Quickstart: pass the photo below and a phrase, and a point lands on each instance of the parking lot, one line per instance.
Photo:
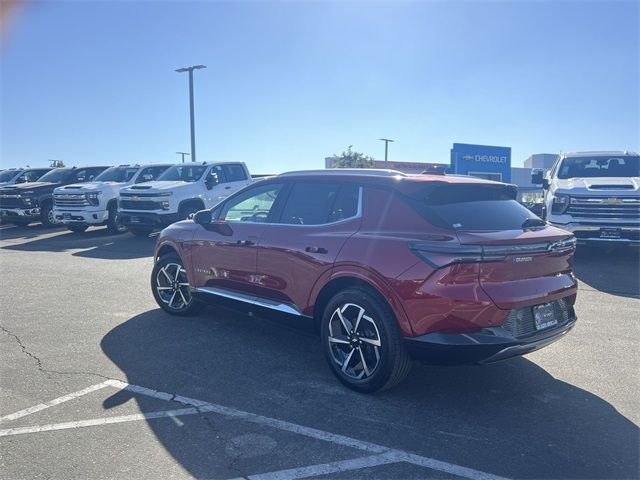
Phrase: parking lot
(97, 382)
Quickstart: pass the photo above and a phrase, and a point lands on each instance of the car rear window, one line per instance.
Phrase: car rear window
(471, 207)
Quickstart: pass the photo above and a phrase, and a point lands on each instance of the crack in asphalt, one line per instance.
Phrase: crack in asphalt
(201, 414)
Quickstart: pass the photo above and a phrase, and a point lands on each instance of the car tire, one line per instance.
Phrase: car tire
(141, 232)
(46, 216)
(77, 228)
(366, 355)
(114, 223)
(170, 287)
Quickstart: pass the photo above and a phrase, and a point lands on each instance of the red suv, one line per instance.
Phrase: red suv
(389, 267)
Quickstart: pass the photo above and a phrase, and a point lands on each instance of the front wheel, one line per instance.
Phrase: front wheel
(47, 217)
(114, 222)
(362, 341)
(170, 287)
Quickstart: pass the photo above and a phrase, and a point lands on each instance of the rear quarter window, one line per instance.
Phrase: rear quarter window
(471, 207)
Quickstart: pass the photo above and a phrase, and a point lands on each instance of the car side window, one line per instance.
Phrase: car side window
(253, 205)
(346, 204)
(150, 173)
(234, 172)
(310, 204)
(220, 172)
(80, 176)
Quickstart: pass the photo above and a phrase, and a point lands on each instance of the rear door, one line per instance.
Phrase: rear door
(294, 252)
(526, 261)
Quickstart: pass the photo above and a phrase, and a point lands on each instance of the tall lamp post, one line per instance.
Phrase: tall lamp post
(182, 154)
(193, 132)
(386, 149)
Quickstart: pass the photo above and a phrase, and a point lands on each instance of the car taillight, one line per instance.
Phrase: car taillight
(439, 255)
(560, 203)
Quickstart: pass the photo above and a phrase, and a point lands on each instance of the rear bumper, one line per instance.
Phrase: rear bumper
(20, 213)
(74, 217)
(487, 345)
(148, 219)
(605, 234)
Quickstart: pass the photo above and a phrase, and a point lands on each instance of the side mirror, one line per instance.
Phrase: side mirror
(537, 177)
(211, 180)
(204, 218)
(21, 180)
(545, 183)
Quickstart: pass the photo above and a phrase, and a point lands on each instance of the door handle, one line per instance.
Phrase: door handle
(245, 243)
(315, 250)
(227, 188)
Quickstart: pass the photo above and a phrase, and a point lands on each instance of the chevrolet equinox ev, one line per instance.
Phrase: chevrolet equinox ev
(389, 267)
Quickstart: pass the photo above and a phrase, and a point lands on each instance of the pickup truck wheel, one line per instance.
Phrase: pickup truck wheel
(46, 216)
(362, 341)
(114, 222)
(141, 232)
(77, 228)
(170, 287)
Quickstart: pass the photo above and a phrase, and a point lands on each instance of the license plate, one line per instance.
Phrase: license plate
(609, 233)
(544, 316)
(66, 216)
(135, 219)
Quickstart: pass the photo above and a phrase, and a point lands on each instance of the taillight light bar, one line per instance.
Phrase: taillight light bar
(440, 255)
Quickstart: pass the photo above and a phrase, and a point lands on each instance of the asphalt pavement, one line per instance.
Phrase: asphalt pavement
(97, 382)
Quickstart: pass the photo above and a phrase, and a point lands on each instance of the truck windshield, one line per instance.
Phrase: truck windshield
(186, 173)
(55, 175)
(601, 166)
(469, 207)
(117, 174)
(8, 175)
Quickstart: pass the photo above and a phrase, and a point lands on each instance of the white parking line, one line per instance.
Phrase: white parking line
(326, 468)
(55, 401)
(385, 455)
(98, 421)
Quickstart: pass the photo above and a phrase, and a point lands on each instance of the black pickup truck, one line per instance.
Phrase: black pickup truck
(32, 201)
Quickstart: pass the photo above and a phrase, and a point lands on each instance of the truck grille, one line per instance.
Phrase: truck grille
(614, 208)
(10, 201)
(520, 322)
(70, 200)
(139, 205)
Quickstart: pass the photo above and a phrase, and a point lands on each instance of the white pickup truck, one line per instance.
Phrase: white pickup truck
(95, 203)
(595, 195)
(180, 191)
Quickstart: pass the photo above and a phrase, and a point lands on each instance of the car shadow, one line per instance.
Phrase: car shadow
(613, 271)
(93, 243)
(17, 232)
(511, 419)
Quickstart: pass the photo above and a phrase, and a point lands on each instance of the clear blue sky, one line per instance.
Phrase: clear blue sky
(288, 84)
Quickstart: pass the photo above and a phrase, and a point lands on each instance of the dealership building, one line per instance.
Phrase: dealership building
(482, 161)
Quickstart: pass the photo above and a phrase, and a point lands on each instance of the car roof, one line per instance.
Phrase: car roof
(603, 153)
(383, 178)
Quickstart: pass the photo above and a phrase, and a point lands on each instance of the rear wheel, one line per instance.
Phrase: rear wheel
(362, 341)
(77, 228)
(141, 232)
(114, 222)
(47, 217)
(170, 287)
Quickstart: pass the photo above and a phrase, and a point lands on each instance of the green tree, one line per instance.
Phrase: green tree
(351, 159)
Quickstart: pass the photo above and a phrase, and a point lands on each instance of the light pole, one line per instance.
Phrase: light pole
(386, 149)
(183, 154)
(193, 132)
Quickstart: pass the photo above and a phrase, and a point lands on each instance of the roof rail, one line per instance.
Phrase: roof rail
(382, 172)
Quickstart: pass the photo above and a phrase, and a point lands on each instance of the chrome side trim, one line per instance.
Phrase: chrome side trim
(250, 299)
